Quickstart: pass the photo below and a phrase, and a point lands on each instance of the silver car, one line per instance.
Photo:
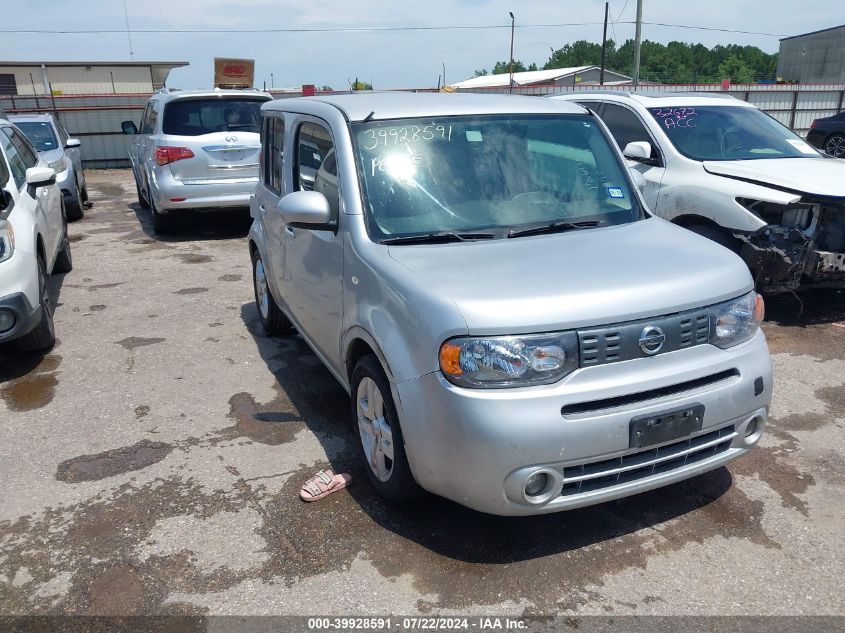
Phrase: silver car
(197, 151)
(516, 330)
(61, 153)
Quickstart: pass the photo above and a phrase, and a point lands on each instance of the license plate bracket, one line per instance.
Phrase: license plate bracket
(665, 426)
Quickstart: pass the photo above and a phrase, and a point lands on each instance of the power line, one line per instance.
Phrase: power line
(370, 29)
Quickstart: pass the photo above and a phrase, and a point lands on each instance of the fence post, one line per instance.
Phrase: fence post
(794, 109)
(841, 99)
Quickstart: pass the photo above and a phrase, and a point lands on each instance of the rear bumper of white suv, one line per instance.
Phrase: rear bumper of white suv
(207, 194)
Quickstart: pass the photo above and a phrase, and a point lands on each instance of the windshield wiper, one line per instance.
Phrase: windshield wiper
(554, 227)
(438, 237)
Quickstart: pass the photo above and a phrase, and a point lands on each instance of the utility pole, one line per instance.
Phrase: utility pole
(603, 44)
(638, 42)
(510, 65)
(444, 73)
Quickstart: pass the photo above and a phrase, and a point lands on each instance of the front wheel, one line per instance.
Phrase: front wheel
(835, 145)
(716, 235)
(380, 437)
(272, 318)
(64, 261)
(42, 338)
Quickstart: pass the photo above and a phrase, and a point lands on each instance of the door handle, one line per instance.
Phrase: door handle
(261, 208)
(289, 232)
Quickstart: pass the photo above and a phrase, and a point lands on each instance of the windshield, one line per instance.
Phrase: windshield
(39, 134)
(493, 172)
(193, 117)
(729, 133)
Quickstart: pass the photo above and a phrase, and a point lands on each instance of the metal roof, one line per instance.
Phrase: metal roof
(396, 105)
(832, 28)
(39, 64)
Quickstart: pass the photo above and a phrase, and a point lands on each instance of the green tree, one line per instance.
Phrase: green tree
(502, 68)
(481, 73)
(736, 69)
(361, 85)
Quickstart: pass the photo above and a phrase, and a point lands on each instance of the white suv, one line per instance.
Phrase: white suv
(722, 168)
(33, 242)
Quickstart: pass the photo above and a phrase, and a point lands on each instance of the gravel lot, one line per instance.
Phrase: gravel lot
(151, 464)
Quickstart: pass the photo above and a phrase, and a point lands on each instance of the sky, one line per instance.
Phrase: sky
(387, 59)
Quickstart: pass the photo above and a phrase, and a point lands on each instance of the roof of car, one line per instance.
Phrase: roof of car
(212, 92)
(656, 100)
(35, 116)
(396, 105)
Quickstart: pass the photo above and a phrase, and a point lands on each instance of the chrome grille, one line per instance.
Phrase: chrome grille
(614, 343)
(582, 478)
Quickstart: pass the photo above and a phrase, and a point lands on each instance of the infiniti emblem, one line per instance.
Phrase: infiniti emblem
(651, 339)
(231, 139)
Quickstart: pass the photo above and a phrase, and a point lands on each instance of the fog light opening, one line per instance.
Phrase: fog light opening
(753, 430)
(536, 484)
(7, 321)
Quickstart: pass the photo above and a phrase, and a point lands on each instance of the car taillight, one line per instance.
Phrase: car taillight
(166, 155)
(813, 124)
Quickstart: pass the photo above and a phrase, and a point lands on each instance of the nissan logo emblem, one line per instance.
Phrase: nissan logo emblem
(652, 339)
(231, 139)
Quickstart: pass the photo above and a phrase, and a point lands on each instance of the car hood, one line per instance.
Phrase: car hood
(52, 155)
(577, 279)
(815, 176)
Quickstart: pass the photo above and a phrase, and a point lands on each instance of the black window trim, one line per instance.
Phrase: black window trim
(661, 160)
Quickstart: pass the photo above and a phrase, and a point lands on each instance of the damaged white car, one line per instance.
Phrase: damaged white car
(722, 168)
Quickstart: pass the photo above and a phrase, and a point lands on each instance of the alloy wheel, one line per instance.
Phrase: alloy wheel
(835, 146)
(262, 293)
(374, 429)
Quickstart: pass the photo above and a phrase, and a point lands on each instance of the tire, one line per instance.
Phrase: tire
(834, 145)
(142, 201)
(64, 261)
(272, 318)
(75, 210)
(163, 223)
(42, 337)
(376, 425)
(716, 235)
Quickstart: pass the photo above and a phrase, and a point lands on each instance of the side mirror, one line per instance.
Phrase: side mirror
(40, 176)
(306, 209)
(639, 151)
(72, 142)
(638, 178)
(129, 127)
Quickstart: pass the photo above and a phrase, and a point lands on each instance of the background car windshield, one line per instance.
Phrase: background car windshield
(193, 117)
(729, 133)
(39, 134)
(488, 172)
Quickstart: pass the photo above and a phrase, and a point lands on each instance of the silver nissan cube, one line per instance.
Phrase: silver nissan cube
(518, 333)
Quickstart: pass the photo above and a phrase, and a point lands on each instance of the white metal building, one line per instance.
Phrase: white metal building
(83, 78)
(576, 75)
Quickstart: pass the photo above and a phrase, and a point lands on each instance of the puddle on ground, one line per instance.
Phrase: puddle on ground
(141, 410)
(190, 291)
(33, 389)
(113, 462)
(194, 258)
(230, 278)
(76, 237)
(97, 307)
(136, 341)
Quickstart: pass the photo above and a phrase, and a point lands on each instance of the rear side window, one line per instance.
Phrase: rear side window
(195, 117)
(272, 144)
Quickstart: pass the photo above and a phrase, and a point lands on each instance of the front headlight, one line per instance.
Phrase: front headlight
(734, 322)
(7, 240)
(509, 361)
(59, 165)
